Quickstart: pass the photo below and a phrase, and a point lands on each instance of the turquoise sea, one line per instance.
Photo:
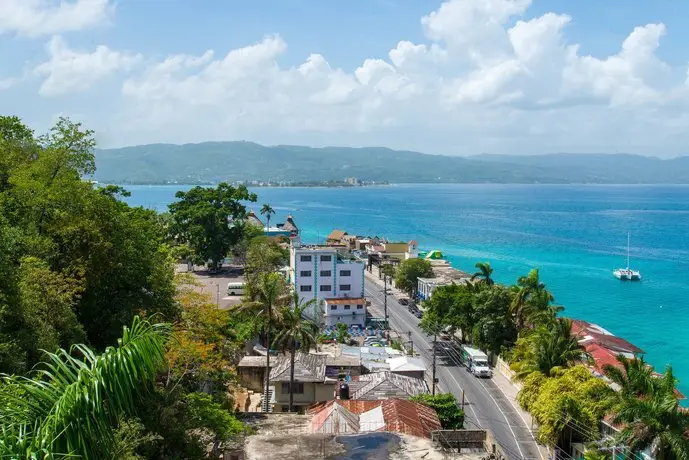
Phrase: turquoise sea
(575, 234)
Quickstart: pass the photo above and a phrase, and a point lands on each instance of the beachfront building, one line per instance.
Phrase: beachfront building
(287, 228)
(345, 310)
(336, 238)
(321, 272)
(445, 275)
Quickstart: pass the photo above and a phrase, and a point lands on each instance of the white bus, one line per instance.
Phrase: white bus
(235, 288)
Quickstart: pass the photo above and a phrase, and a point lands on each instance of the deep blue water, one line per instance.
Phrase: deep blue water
(575, 235)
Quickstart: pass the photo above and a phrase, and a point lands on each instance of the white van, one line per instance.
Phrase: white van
(234, 288)
(476, 362)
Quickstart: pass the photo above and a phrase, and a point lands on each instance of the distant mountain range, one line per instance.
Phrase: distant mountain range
(212, 162)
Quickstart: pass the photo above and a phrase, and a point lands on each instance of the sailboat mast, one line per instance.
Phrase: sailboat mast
(628, 237)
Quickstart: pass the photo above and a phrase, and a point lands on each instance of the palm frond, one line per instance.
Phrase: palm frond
(75, 397)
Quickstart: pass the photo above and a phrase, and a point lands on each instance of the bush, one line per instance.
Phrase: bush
(450, 415)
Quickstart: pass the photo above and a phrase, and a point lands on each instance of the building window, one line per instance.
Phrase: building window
(345, 287)
(347, 307)
(326, 258)
(333, 307)
(326, 288)
(345, 273)
(305, 273)
(297, 388)
(305, 258)
(359, 307)
(305, 288)
(326, 273)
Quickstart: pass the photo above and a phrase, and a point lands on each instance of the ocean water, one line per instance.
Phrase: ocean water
(574, 234)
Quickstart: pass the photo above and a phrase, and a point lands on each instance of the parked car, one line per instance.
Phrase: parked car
(412, 308)
(403, 301)
(418, 313)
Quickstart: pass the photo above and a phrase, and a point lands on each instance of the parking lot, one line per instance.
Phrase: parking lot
(215, 284)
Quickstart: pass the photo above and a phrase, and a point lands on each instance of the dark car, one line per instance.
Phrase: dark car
(418, 314)
(411, 308)
(403, 301)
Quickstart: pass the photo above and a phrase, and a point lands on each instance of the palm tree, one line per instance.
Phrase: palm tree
(549, 349)
(531, 299)
(635, 377)
(656, 422)
(484, 273)
(295, 332)
(271, 294)
(341, 333)
(73, 402)
(267, 210)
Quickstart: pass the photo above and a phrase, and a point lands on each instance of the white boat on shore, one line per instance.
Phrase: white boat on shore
(627, 274)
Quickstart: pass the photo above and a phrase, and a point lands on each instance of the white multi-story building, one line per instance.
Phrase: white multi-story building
(349, 311)
(318, 272)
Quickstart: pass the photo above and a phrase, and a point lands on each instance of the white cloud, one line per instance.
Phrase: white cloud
(7, 83)
(488, 79)
(45, 17)
(69, 70)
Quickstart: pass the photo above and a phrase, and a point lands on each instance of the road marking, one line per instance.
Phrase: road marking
(426, 342)
(505, 417)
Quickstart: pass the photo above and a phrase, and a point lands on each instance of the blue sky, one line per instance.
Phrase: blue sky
(457, 77)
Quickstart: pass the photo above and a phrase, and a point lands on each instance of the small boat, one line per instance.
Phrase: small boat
(627, 274)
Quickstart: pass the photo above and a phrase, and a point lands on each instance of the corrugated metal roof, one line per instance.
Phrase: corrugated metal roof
(346, 301)
(386, 385)
(307, 368)
(399, 416)
(406, 363)
(593, 333)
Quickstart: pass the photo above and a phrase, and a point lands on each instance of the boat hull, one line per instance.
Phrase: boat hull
(627, 275)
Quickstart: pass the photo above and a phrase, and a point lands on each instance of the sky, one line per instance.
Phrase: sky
(459, 77)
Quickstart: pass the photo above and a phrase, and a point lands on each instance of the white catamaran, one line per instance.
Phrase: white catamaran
(627, 274)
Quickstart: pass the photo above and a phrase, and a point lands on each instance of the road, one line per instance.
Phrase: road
(486, 407)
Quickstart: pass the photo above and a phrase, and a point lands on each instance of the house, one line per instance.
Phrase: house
(252, 218)
(343, 364)
(311, 385)
(406, 365)
(251, 371)
(395, 415)
(445, 275)
(336, 238)
(385, 385)
(345, 310)
(321, 272)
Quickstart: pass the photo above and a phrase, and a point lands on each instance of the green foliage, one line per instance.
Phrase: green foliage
(454, 304)
(431, 323)
(267, 210)
(129, 438)
(450, 415)
(202, 218)
(342, 333)
(648, 409)
(204, 412)
(494, 329)
(531, 302)
(408, 273)
(484, 273)
(549, 349)
(575, 396)
(76, 264)
(263, 256)
(74, 401)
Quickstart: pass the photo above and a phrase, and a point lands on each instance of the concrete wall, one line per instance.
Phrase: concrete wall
(313, 393)
(252, 377)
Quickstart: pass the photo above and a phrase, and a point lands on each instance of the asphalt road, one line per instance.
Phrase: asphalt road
(486, 406)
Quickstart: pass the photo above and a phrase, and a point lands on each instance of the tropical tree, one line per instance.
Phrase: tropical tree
(203, 219)
(484, 273)
(342, 334)
(263, 255)
(454, 304)
(494, 329)
(445, 404)
(654, 422)
(635, 377)
(295, 332)
(267, 211)
(531, 299)
(648, 409)
(71, 405)
(548, 350)
(408, 274)
(270, 297)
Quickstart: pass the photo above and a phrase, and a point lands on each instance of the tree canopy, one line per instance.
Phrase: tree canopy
(409, 271)
(204, 218)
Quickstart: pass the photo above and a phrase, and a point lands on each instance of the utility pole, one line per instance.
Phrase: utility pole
(385, 300)
(217, 295)
(435, 336)
(411, 343)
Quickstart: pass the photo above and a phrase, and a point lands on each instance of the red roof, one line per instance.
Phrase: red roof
(399, 415)
(602, 356)
(593, 333)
